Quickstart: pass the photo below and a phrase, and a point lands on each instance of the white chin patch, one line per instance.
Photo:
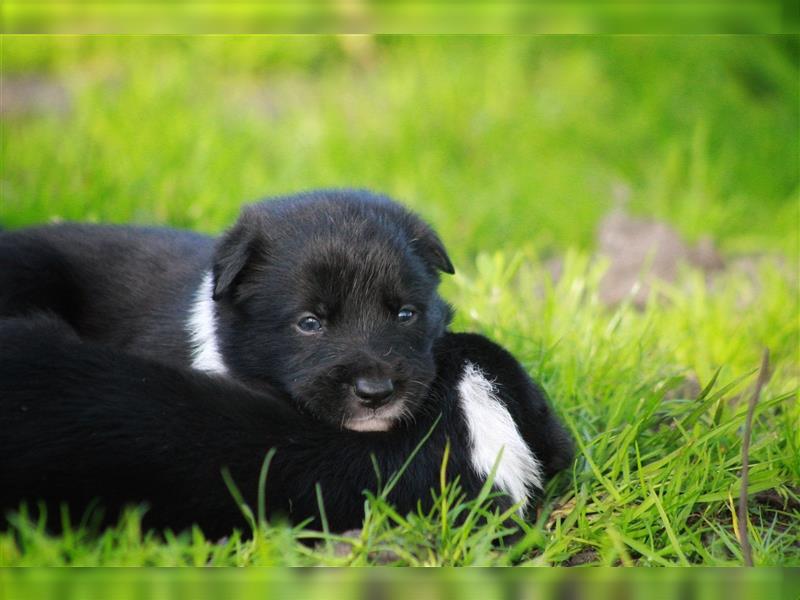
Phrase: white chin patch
(382, 419)
(369, 424)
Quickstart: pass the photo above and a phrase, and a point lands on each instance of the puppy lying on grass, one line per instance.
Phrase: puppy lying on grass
(329, 296)
(80, 421)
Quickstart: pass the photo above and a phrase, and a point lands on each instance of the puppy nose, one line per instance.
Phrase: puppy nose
(373, 391)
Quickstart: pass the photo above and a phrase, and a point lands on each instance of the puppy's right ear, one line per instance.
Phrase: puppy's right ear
(236, 251)
(430, 247)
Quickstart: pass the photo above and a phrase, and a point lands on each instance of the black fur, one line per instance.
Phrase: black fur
(79, 421)
(351, 258)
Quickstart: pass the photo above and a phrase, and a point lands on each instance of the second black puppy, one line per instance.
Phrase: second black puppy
(330, 296)
(80, 422)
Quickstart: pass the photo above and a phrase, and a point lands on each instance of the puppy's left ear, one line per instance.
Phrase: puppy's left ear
(428, 245)
(236, 251)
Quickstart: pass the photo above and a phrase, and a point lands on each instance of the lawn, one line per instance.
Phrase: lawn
(516, 149)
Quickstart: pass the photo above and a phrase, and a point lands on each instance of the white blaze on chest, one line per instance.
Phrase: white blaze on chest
(202, 328)
(491, 428)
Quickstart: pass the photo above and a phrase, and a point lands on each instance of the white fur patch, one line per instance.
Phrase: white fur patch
(491, 428)
(382, 419)
(369, 424)
(202, 327)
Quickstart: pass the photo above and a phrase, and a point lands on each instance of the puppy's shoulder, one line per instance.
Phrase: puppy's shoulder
(456, 349)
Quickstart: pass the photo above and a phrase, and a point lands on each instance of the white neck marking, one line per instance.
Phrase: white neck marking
(202, 328)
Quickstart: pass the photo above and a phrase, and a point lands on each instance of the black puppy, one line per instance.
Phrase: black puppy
(330, 296)
(80, 421)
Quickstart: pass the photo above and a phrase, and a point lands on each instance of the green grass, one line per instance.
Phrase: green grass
(514, 148)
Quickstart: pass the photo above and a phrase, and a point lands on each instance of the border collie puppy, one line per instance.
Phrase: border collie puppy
(329, 296)
(80, 421)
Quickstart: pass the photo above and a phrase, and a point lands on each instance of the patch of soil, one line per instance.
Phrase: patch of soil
(345, 549)
(687, 389)
(642, 251)
(33, 94)
(772, 499)
(584, 557)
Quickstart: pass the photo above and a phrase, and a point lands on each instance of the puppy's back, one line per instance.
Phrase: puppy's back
(126, 286)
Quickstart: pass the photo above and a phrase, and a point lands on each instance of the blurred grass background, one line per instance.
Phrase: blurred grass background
(483, 584)
(381, 16)
(500, 141)
(515, 148)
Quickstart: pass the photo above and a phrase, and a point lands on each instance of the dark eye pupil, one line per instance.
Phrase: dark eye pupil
(309, 324)
(405, 314)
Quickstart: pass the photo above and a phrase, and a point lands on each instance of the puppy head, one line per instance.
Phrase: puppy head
(333, 295)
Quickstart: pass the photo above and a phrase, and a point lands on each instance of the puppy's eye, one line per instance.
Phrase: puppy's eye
(309, 324)
(406, 314)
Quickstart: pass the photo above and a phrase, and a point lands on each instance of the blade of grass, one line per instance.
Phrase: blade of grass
(262, 483)
(744, 540)
(399, 473)
(668, 528)
(238, 498)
